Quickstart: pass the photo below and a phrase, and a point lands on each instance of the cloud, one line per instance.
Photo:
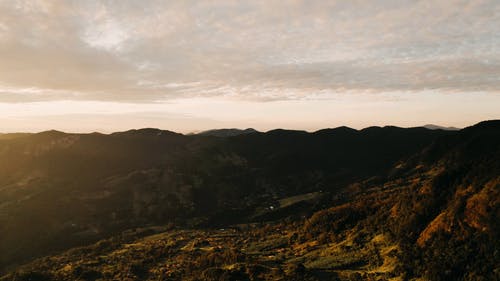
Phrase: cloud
(149, 51)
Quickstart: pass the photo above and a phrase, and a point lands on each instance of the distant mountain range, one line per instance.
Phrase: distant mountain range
(13, 135)
(236, 132)
(378, 202)
(436, 127)
(227, 132)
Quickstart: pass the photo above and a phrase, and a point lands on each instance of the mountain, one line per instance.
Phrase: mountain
(436, 127)
(336, 204)
(13, 135)
(227, 132)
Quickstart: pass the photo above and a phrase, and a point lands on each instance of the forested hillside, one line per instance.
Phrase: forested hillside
(344, 204)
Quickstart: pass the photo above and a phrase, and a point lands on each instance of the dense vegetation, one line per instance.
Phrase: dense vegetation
(337, 204)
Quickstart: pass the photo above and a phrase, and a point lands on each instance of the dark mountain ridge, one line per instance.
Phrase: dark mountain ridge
(228, 132)
(437, 127)
(64, 190)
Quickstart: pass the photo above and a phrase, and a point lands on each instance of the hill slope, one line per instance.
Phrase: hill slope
(387, 200)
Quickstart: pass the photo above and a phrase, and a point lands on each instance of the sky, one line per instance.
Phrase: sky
(186, 66)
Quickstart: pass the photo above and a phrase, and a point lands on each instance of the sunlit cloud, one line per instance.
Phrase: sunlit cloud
(151, 52)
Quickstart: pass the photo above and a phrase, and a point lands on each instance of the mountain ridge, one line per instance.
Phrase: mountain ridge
(194, 181)
(237, 131)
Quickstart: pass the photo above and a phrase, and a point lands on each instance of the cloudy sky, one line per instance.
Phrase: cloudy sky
(87, 65)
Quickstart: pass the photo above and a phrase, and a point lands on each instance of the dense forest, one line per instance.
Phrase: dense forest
(382, 203)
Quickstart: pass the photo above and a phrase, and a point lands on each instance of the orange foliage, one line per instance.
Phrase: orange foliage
(483, 207)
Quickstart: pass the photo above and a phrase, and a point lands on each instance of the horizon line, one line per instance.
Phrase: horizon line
(197, 132)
